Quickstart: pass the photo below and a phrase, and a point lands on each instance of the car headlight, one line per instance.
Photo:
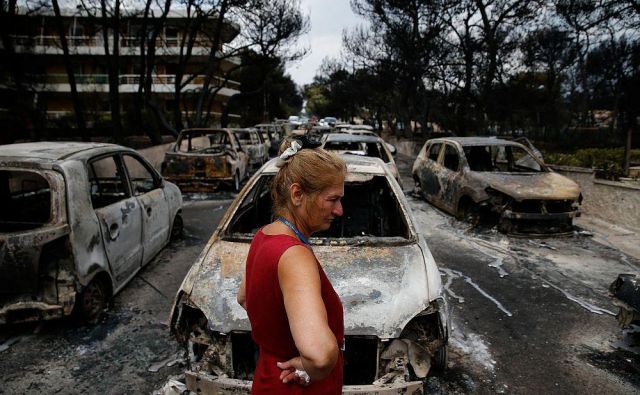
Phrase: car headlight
(497, 198)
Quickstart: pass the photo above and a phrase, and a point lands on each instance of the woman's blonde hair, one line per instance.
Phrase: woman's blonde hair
(314, 169)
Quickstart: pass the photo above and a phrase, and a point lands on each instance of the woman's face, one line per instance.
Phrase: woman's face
(324, 207)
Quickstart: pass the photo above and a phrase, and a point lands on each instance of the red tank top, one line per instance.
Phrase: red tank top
(270, 326)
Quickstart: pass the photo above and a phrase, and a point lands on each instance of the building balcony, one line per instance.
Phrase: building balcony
(129, 83)
(94, 45)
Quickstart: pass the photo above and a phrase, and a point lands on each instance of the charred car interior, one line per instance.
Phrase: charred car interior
(375, 216)
(25, 200)
(203, 158)
(373, 256)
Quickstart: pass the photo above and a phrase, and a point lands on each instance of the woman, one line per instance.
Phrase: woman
(296, 316)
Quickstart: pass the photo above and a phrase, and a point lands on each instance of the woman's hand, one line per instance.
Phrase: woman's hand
(293, 371)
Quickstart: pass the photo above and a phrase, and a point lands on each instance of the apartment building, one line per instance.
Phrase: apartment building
(36, 38)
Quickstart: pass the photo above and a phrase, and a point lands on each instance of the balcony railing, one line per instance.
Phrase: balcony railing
(133, 79)
(97, 41)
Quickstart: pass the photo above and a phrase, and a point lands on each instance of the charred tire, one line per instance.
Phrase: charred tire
(178, 227)
(236, 181)
(441, 359)
(92, 300)
(468, 212)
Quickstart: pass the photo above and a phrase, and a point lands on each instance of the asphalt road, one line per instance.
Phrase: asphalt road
(528, 316)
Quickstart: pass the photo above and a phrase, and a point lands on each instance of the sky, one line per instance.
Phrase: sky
(328, 19)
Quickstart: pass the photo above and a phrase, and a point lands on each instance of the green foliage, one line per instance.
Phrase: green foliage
(609, 159)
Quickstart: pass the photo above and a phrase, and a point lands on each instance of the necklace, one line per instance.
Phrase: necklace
(294, 229)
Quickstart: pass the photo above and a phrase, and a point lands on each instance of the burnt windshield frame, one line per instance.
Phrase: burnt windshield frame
(253, 204)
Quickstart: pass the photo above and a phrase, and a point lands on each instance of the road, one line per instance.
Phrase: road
(528, 316)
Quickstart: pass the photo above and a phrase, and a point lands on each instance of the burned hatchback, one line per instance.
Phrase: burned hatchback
(396, 321)
(481, 178)
(202, 159)
(77, 222)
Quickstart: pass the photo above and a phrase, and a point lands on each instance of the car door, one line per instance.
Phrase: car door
(119, 215)
(243, 157)
(146, 186)
(449, 177)
(427, 171)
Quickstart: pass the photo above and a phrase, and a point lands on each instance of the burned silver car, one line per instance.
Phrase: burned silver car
(365, 145)
(254, 145)
(77, 222)
(202, 159)
(480, 178)
(396, 320)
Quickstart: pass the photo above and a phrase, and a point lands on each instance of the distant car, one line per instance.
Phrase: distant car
(294, 120)
(395, 314)
(202, 159)
(254, 145)
(78, 221)
(363, 145)
(272, 134)
(330, 121)
(480, 177)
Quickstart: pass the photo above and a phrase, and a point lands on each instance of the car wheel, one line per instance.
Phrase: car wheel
(178, 227)
(505, 226)
(92, 300)
(440, 359)
(236, 182)
(468, 212)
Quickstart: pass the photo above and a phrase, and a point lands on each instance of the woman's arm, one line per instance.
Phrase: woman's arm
(241, 297)
(300, 284)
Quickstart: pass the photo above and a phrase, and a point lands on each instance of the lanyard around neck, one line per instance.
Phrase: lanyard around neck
(294, 229)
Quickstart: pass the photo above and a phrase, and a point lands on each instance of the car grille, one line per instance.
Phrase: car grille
(542, 206)
(360, 358)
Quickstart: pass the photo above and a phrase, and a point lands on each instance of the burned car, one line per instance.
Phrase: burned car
(364, 145)
(202, 159)
(478, 178)
(254, 145)
(272, 135)
(77, 222)
(625, 293)
(396, 320)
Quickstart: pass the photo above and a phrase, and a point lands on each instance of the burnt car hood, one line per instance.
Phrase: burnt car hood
(525, 186)
(381, 288)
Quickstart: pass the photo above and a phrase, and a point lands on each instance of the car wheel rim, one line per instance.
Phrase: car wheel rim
(93, 299)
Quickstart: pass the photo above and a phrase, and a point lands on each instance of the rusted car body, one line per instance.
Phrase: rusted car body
(362, 144)
(77, 222)
(625, 293)
(272, 134)
(480, 178)
(254, 145)
(396, 319)
(202, 159)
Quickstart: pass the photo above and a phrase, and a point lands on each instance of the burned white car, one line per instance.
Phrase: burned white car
(481, 178)
(361, 144)
(254, 145)
(77, 222)
(396, 321)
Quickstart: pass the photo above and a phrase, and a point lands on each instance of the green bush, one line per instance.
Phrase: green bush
(610, 160)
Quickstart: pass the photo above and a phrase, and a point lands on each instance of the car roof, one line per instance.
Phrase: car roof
(469, 141)
(347, 137)
(54, 151)
(355, 164)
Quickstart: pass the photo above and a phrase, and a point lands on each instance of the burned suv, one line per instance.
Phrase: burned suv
(202, 159)
(480, 178)
(77, 222)
(396, 321)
